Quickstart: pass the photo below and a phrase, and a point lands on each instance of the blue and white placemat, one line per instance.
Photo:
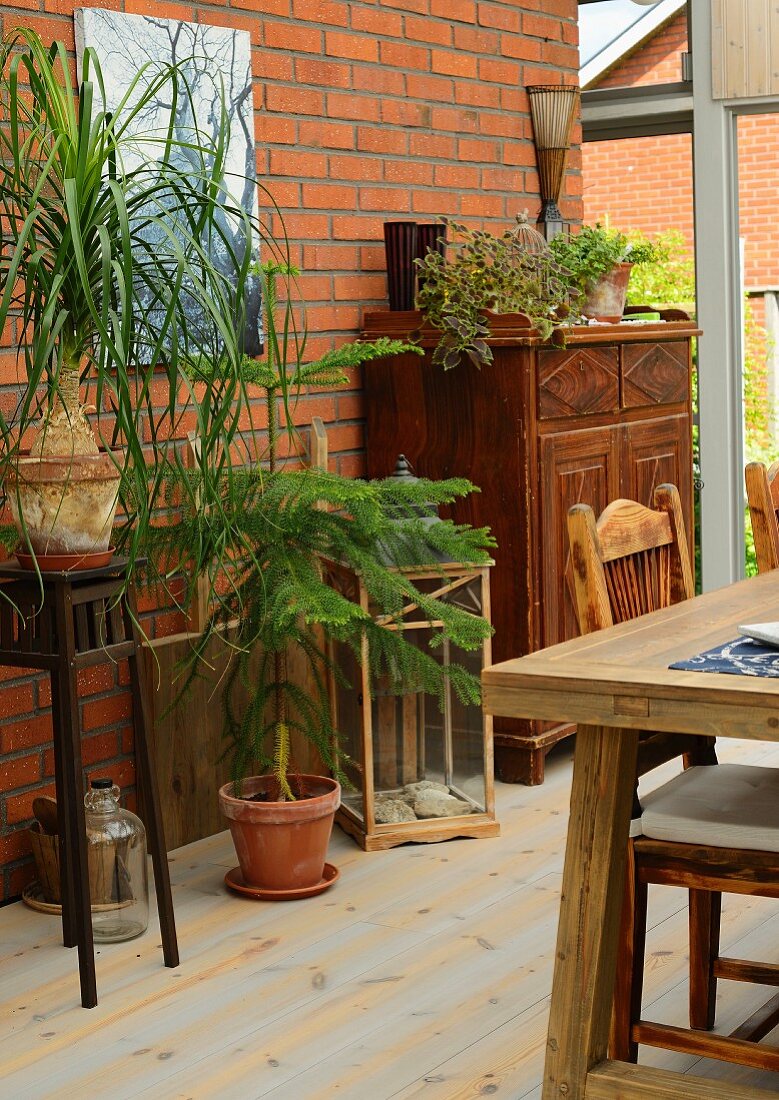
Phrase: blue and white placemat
(741, 657)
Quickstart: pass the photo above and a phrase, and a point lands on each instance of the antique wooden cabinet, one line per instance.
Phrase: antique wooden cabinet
(539, 429)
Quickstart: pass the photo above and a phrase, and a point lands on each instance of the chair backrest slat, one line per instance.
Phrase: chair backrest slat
(763, 500)
(631, 561)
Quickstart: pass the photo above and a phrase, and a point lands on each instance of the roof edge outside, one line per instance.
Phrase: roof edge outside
(631, 37)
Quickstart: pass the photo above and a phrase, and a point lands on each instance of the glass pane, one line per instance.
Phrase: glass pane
(467, 737)
(415, 743)
(349, 715)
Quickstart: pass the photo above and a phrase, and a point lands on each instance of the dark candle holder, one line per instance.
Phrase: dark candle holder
(431, 237)
(400, 243)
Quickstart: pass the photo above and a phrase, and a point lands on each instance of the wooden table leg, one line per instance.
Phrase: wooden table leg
(593, 881)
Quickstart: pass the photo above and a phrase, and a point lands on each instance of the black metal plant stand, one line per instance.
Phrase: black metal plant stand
(82, 621)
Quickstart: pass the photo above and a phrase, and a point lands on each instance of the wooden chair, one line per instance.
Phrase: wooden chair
(632, 561)
(763, 500)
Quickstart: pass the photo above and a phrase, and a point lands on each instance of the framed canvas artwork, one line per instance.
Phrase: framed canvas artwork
(215, 69)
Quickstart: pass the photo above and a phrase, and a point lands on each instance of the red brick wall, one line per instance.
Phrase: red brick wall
(643, 183)
(758, 150)
(646, 183)
(640, 183)
(365, 111)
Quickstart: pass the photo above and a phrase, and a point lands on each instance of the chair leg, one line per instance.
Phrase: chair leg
(705, 911)
(629, 984)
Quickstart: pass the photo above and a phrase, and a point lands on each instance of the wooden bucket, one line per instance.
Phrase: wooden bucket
(108, 884)
(46, 850)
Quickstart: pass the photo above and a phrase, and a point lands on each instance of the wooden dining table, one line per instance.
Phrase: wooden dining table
(614, 684)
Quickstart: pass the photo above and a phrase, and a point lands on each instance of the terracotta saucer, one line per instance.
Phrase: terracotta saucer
(64, 563)
(234, 881)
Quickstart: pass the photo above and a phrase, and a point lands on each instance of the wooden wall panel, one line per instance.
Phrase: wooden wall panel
(188, 741)
(745, 48)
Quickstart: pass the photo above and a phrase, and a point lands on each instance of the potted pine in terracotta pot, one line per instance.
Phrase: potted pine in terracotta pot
(599, 262)
(276, 527)
(102, 268)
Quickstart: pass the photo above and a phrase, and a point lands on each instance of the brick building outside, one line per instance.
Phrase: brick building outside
(646, 183)
(364, 111)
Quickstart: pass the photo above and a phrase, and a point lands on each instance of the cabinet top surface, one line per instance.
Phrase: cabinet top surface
(513, 329)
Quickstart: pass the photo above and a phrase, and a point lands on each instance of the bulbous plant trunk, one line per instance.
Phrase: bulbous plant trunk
(65, 430)
(63, 496)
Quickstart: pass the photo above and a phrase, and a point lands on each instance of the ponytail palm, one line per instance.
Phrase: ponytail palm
(109, 271)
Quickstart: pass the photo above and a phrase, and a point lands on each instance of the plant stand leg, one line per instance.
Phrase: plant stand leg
(147, 780)
(67, 730)
(65, 838)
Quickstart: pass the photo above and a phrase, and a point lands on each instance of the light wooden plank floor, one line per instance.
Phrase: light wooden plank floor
(424, 973)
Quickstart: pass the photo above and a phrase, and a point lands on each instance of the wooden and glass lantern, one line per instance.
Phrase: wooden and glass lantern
(420, 772)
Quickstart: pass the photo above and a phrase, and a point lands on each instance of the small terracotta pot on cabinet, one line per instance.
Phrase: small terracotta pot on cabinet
(605, 300)
(281, 845)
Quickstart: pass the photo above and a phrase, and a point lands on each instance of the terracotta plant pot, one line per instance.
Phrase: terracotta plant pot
(68, 502)
(605, 300)
(281, 845)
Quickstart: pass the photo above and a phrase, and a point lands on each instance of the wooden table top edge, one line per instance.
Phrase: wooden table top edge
(599, 678)
(633, 658)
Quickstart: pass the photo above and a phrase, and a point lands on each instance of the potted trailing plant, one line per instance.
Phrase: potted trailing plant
(599, 261)
(116, 272)
(275, 528)
(481, 274)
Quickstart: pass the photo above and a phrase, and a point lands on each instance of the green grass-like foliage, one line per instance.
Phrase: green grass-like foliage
(595, 250)
(107, 254)
(668, 278)
(483, 272)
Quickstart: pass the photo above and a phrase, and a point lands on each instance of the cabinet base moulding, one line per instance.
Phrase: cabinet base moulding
(521, 758)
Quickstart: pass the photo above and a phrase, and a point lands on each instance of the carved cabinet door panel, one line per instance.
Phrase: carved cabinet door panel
(658, 451)
(655, 374)
(577, 381)
(576, 467)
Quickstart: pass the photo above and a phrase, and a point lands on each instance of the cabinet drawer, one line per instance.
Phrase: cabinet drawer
(654, 374)
(578, 381)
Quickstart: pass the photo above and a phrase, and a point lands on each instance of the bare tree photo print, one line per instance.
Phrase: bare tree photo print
(214, 64)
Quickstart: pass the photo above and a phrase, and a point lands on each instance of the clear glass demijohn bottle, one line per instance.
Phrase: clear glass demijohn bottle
(118, 875)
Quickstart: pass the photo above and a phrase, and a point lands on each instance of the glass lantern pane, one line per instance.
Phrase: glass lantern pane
(468, 736)
(349, 718)
(415, 742)
(467, 721)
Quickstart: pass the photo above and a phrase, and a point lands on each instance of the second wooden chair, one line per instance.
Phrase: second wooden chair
(632, 561)
(763, 500)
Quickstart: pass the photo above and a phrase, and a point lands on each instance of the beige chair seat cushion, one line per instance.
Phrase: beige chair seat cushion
(722, 806)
